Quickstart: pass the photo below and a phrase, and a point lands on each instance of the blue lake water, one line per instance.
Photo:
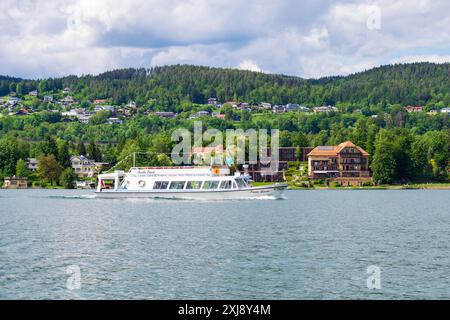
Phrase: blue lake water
(314, 245)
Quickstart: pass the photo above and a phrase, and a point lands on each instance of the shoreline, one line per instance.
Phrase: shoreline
(431, 186)
(413, 186)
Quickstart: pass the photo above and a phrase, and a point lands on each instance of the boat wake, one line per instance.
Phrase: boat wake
(83, 196)
(162, 199)
(184, 199)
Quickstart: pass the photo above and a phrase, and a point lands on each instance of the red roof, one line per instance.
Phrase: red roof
(102, 100)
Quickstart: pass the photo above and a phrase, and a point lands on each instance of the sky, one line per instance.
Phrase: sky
(308, 38)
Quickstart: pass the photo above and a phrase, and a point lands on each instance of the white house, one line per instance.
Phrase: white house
(83, 167)
(212, 101)
(13, 100)
(199, 114)
(32, 164)
(114, 121)
(48, 99)
(84, 118)
(292, 107)
(325, 109)
(104, 108)
(303, 109)
(266, 105)
(132, 105)
(279, 108)
(68, 100)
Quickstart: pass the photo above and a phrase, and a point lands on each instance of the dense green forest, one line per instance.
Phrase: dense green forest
(416, 83)
(404, 146)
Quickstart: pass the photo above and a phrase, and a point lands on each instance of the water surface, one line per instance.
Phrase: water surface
(314, 245)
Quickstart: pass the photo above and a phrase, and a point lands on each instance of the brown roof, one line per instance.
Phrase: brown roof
(335, 150)
(323, 151)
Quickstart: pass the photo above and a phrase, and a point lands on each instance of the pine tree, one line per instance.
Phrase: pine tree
(94, 152)
(63, 154)
(81, 149)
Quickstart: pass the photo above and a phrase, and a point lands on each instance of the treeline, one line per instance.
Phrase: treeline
(403, 147)
(53, 155)
(166, 88)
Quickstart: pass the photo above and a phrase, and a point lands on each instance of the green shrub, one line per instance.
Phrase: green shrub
(336, 184)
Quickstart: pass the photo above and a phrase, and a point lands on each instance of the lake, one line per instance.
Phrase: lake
(66, 244)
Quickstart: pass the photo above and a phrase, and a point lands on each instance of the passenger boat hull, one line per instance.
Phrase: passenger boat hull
(266, 192)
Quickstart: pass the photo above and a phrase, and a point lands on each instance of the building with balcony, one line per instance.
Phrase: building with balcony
(346, 164)
(83, 167)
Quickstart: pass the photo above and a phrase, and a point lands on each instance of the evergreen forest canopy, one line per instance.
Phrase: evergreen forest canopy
(415, 84)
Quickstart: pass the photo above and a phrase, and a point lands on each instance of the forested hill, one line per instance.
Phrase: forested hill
(416, 83)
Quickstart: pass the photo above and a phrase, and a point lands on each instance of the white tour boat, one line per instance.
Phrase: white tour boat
(208, 182)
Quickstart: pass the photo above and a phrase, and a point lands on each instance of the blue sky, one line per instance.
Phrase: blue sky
(43, 38)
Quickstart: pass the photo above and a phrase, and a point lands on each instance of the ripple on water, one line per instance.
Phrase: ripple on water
(313, 245)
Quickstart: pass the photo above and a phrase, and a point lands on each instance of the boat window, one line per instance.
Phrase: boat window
(225, 184)
(160, 184)
(193, 185)
(241, 183)
(210, 184)
(177, 185)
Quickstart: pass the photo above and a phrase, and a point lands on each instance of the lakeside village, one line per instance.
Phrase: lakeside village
(343, 165)
(73, 110)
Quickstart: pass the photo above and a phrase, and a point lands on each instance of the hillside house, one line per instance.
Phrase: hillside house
(83, 167)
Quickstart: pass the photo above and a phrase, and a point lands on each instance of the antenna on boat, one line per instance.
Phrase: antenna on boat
(134, 159)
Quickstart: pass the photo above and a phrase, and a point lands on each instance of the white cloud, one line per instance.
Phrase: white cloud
(315, 38)
(424, 58)
(249, 65)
